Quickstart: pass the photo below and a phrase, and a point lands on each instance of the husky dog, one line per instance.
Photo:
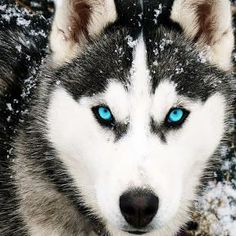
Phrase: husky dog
(125, 120)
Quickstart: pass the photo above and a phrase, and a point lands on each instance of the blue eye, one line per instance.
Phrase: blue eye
(103, 115)
(176, 117)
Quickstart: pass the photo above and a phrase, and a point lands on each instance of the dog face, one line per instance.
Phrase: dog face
(135, 121)
(147, 128)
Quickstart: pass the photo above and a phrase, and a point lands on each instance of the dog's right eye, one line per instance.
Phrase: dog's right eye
(103, 115)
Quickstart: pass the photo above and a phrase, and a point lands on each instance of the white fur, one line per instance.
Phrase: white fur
(104, 169)
(220, 50)
(58, 3)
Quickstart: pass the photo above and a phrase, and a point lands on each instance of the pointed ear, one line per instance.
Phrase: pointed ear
(75, 22)
(209, 24)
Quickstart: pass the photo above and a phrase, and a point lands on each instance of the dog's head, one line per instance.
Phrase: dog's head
(138, 115)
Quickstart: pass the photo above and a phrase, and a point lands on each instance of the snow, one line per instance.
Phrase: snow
(202, 57)
(9, 107)
(164, 43)
(218, 206)
(35, 26)
(22, 22)
(131, 42)
(157, 12)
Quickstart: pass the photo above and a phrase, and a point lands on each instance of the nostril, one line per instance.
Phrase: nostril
(149, 210)
(139, 206)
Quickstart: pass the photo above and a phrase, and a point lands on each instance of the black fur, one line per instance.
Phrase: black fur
(130, 15)
(19, 55)
(157, 13)
(193, 78)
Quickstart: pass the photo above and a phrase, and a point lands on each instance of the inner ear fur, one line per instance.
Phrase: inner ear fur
(209, 24)
(75, 22)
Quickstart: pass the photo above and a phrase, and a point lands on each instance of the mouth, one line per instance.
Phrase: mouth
(137, 232)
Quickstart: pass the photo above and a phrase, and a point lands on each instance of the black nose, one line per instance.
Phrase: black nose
(138, 207)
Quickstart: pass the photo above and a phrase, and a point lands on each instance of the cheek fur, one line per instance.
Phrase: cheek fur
(203, 130)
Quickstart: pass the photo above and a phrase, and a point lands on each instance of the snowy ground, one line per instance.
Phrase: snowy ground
(215, 212)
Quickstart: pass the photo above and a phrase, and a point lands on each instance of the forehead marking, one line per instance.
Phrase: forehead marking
(140, 76)
(140, 95)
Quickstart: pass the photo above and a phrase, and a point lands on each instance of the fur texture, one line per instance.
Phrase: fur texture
(202, 21)
(75, 22)
(69, 170)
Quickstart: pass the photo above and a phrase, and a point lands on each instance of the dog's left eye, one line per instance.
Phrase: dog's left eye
(103, 115)
(176, 117)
